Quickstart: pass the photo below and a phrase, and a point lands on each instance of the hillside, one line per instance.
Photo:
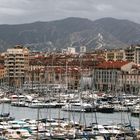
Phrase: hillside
(107, 32)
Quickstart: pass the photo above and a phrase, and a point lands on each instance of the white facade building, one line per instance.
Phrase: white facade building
(82, 49)
(71, 50)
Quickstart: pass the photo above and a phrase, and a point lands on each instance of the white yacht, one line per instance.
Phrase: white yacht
(77, 107)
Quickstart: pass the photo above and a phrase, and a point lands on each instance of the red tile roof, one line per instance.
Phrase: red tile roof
(112, 64)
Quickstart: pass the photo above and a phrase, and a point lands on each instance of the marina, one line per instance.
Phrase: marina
(24, 114)
(61, 115)
(103, 118)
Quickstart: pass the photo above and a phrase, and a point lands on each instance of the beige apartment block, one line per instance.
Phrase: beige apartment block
(2, 74)
(16, 64)
(115, 55)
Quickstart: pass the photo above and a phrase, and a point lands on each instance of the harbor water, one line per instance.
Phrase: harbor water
(85, 118)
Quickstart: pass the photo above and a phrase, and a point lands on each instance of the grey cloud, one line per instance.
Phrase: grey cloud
(25, 11)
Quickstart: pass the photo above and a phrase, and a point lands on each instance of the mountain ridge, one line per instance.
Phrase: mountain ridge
(71, 31)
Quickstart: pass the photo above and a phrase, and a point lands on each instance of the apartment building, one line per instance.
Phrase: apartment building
(129, 79)
(132, 54)
(117, 76)
(16, 64)
(115, 55)
(83, 49)
(2, 74)
(106, 75)
(71, 50)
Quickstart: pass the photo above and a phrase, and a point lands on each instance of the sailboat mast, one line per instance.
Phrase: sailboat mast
(37, 124)
(139, 110)
(93, 88)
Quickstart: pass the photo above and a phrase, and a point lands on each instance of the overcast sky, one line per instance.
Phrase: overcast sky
(26, 11)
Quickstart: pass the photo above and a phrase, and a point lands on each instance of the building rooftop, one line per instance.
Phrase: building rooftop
(112, 64)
